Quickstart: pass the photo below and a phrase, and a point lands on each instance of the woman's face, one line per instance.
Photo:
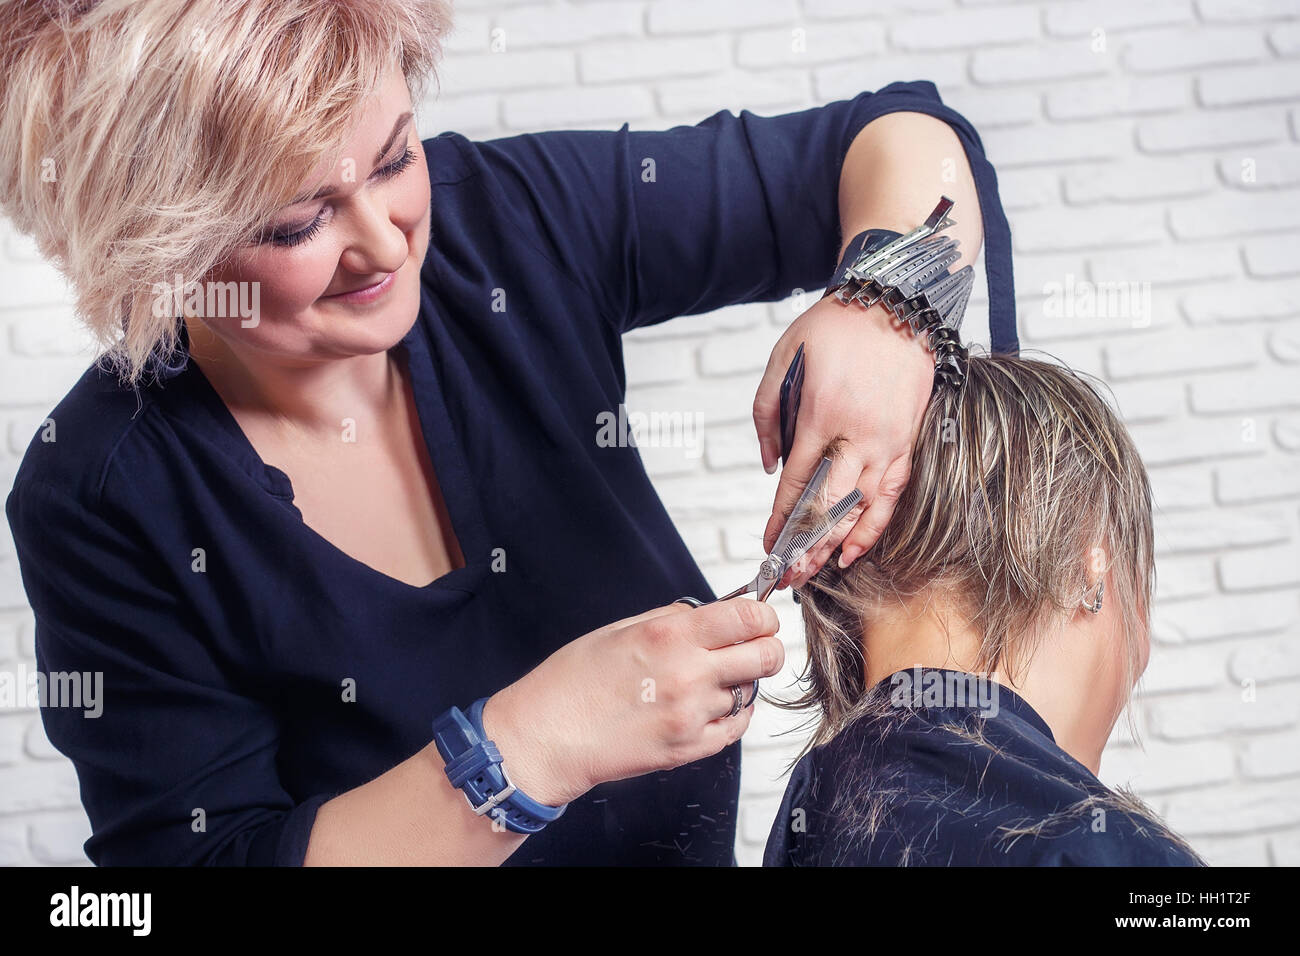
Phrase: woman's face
(369, 226)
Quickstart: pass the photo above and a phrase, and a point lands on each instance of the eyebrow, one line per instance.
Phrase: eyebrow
(383, 150)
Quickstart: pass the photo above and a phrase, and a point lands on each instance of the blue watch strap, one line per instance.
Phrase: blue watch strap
(520, 806)
(474, 765)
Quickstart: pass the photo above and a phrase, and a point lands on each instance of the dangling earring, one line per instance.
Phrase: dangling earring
(1095, 604)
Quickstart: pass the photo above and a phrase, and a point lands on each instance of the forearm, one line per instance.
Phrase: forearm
(408, 816)
(413, 816)
(895, 171)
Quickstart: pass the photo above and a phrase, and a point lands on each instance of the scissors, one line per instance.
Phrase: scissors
(790, 546)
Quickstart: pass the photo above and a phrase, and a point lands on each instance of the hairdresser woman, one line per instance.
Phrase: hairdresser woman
(294, 538)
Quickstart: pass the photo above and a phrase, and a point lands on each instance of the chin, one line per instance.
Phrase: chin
(373, 329)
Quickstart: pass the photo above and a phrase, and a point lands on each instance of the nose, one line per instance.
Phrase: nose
(376, 244)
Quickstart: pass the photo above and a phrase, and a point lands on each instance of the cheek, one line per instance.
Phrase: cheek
(290, 283)
(286, 288)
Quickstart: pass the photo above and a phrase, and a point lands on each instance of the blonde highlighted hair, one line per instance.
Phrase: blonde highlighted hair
(148, 138)
(1025, 489)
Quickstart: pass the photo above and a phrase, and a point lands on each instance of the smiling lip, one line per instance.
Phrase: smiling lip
(361, 296)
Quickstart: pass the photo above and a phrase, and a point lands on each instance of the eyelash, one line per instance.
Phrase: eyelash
(303, 235)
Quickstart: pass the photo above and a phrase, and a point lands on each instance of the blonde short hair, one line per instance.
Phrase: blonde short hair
(1015, 480)
(148, 138)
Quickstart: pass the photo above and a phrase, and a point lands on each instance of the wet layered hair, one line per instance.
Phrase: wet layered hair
(1025, 489)
(148, 138)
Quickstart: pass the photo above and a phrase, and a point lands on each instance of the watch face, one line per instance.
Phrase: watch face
(791, 390)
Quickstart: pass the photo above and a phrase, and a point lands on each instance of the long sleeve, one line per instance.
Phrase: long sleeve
(658, 224)
(172, 735)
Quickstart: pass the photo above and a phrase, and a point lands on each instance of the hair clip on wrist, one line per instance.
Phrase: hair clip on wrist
(908, 274)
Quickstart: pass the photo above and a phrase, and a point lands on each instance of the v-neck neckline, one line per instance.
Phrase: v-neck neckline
(442, 445)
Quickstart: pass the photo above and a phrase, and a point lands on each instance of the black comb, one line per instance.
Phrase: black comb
(791, 390)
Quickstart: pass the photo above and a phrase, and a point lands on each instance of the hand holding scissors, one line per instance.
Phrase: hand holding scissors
(797, 538)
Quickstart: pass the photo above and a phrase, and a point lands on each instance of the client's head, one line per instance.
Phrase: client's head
(1027, 504)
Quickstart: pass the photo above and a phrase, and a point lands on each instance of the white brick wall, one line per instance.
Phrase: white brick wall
(1149, 142)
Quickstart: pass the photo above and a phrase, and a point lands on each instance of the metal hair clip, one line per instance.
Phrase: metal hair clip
(936, 222)
(909, 276)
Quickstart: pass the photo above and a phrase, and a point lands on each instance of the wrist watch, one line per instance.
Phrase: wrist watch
(908, 274)
(474, 765)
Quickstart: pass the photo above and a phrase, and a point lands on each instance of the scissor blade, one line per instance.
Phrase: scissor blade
(806, 540)
(810, 492)
(749, 587)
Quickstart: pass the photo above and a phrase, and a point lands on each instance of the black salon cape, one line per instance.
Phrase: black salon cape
(945, 799)
(158, 548)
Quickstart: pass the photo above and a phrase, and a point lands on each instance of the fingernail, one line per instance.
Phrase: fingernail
(768, 456)
(848, 556)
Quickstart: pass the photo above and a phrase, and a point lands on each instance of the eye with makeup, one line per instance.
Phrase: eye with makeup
(286, 239)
